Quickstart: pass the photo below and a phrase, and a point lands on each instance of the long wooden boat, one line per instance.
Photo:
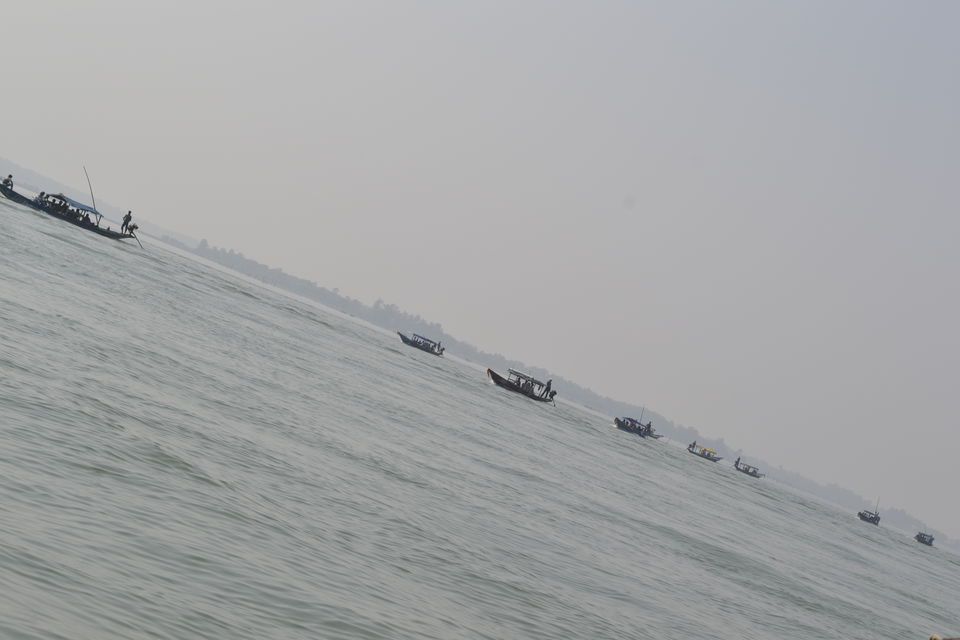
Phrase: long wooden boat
(524, 384)
(424, 344)
(703, 452)
(632, 425)
(747, 469)
(924, 538)
(63, 208)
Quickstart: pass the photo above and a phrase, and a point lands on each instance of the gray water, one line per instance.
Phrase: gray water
(186, 454)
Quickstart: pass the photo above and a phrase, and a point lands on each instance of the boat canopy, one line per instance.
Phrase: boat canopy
(73, 203)
(707, 450)
(422, 339)
(525, 376)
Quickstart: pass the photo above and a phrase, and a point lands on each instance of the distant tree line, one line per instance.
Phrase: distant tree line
(389, 316)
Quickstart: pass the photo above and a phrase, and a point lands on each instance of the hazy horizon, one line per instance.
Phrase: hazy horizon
(741, 215)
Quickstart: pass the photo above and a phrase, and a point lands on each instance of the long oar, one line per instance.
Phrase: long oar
(136, 238)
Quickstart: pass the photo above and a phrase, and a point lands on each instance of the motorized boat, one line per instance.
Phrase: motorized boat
(525, 384)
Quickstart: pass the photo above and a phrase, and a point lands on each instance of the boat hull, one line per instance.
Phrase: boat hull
(872, 518)
(416, 345)
(500, 381)
(705, 456)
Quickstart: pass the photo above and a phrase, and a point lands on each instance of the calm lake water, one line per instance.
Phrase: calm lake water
(186, 454)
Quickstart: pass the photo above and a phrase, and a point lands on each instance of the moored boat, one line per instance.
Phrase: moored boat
(924, 538)
(524, 384)
(703, 452)
(424, 344)
(747, 469)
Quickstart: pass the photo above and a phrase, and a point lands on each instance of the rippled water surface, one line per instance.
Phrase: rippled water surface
(185, 454)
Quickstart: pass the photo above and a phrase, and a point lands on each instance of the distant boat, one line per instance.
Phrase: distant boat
(63, 208)
(703, 452)
(747, 469)
(424, 344)
(873, 517)
(632, 425)
(523, 383)
(924, 538)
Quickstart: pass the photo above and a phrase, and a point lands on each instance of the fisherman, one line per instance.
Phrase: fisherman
(737, 462)
(126, 222)
(133, 227)
(8, 181)
(546, 389)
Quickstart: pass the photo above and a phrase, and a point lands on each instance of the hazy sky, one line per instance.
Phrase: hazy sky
(740, 214)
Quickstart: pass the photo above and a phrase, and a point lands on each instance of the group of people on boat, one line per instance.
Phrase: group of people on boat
(56, 204)
(60, 205)
(51, 203)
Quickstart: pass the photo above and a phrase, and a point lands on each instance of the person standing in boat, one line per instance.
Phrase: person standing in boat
(126, 222)
(546, 389)
(8, 181)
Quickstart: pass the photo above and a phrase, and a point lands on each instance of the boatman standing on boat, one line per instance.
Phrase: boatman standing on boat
(546, 389)
(126, 222)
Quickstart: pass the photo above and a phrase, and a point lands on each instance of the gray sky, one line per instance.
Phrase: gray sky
(740, 214)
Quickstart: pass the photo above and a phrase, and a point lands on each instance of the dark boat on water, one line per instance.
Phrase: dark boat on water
(424, 344)
(873, 517)
(924, 538)
(525, 384)
(747, 469)
(703, 452)
(632, 425)
(63, 208)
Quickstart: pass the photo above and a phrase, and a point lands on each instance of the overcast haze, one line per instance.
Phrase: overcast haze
(740, 214)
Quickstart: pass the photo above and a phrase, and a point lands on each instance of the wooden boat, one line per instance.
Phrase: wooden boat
(703, 452)
(632, 425)
(424, 344)
(63, 208)
(747, 469)
(924, 538)
(873, 517)
(524, 384)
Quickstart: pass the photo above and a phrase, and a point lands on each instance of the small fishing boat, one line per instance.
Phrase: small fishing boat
(747, 469)
(63, 208)
(424, 344)
(632, 425)
(873, 517)
(924, 538)
(703, 452)
(525, 384)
